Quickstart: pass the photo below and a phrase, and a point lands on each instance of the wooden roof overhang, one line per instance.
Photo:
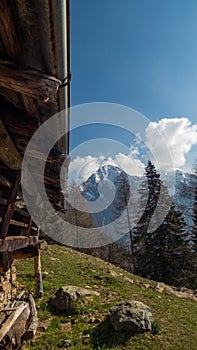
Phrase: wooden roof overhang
(34, 62)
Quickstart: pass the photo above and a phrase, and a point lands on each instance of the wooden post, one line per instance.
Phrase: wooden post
(33, 319)
(7, 261)
(9, 154)
(10, 207)
(38, 275)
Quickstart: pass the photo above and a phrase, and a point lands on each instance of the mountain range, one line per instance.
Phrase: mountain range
(109, 179)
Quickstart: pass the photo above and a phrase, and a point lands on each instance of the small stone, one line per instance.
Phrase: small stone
(170, 291)
(66, 342)
(160, 287)
(128, 279)
(66, 327)
(45, 273)
(144, 285)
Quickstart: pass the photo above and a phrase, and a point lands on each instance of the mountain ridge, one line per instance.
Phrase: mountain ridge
(180, 185)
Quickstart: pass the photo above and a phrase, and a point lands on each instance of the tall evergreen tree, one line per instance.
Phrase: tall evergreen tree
(170, 253)
(165, 253)
(149, 195)
(194, 216)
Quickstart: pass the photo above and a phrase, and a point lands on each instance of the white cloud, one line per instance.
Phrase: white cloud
(130, 164)
(83, 167)
(178, 134)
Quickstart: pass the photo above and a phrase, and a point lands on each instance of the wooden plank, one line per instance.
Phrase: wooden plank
(21, 211)
(30, 106)
(8, 309)
(8, 30)
(7, 261)
(25, 253)
(38, 275)
(13, 243)
(10, 206)
(18, 223)
(5, 182)
(29, 82)
(33, 319)
(11, 319)
(18, 298)
(8, 152)
(29, 227)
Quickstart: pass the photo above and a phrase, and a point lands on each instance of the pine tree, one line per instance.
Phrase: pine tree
(193, 281)
(194, 216)
(149, 195)
(170, 252)
(165, 253)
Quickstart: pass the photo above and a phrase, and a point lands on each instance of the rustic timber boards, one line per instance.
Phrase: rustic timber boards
(12, 243)
(34, 60)
(29, 82)
(8, 152)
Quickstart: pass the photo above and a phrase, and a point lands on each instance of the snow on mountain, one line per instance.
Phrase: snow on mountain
(180, 185)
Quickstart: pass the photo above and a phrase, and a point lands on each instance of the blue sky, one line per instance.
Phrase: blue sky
(138, 53)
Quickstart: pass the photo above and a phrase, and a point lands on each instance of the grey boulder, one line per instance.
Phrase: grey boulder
(132, 316)
(66, 295)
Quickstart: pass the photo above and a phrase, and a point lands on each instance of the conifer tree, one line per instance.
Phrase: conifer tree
(194, 216)
(149, 195)
(164, 254)
(170, 252)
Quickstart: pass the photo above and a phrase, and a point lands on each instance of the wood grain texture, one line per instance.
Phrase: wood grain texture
(8, 152)
(13, 243)
(29, 82)
(11, 319)
(10, 206)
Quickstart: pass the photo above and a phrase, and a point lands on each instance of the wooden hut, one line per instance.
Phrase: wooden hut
(34, 85)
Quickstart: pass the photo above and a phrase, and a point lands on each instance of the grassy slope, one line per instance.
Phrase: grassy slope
(88, 328)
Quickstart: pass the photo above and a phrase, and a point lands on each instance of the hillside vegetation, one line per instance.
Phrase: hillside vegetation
(175, 325)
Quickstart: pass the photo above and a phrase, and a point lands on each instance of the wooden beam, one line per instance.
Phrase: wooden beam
(8, 30)
(13, 243)
(21, 211)
(7, 261)
(25, 253)
(29, 227)
(10, 206)
(5, 182)
(31, 330)
(8, 152)
(11, 319)
(8, 309)
(38, 275)
(18, 223)
(29, 82)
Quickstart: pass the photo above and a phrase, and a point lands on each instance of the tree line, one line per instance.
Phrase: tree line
(166, 254)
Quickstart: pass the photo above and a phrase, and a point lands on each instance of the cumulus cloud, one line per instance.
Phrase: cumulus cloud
(83, 167)
(130, 164)
(178, 134)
